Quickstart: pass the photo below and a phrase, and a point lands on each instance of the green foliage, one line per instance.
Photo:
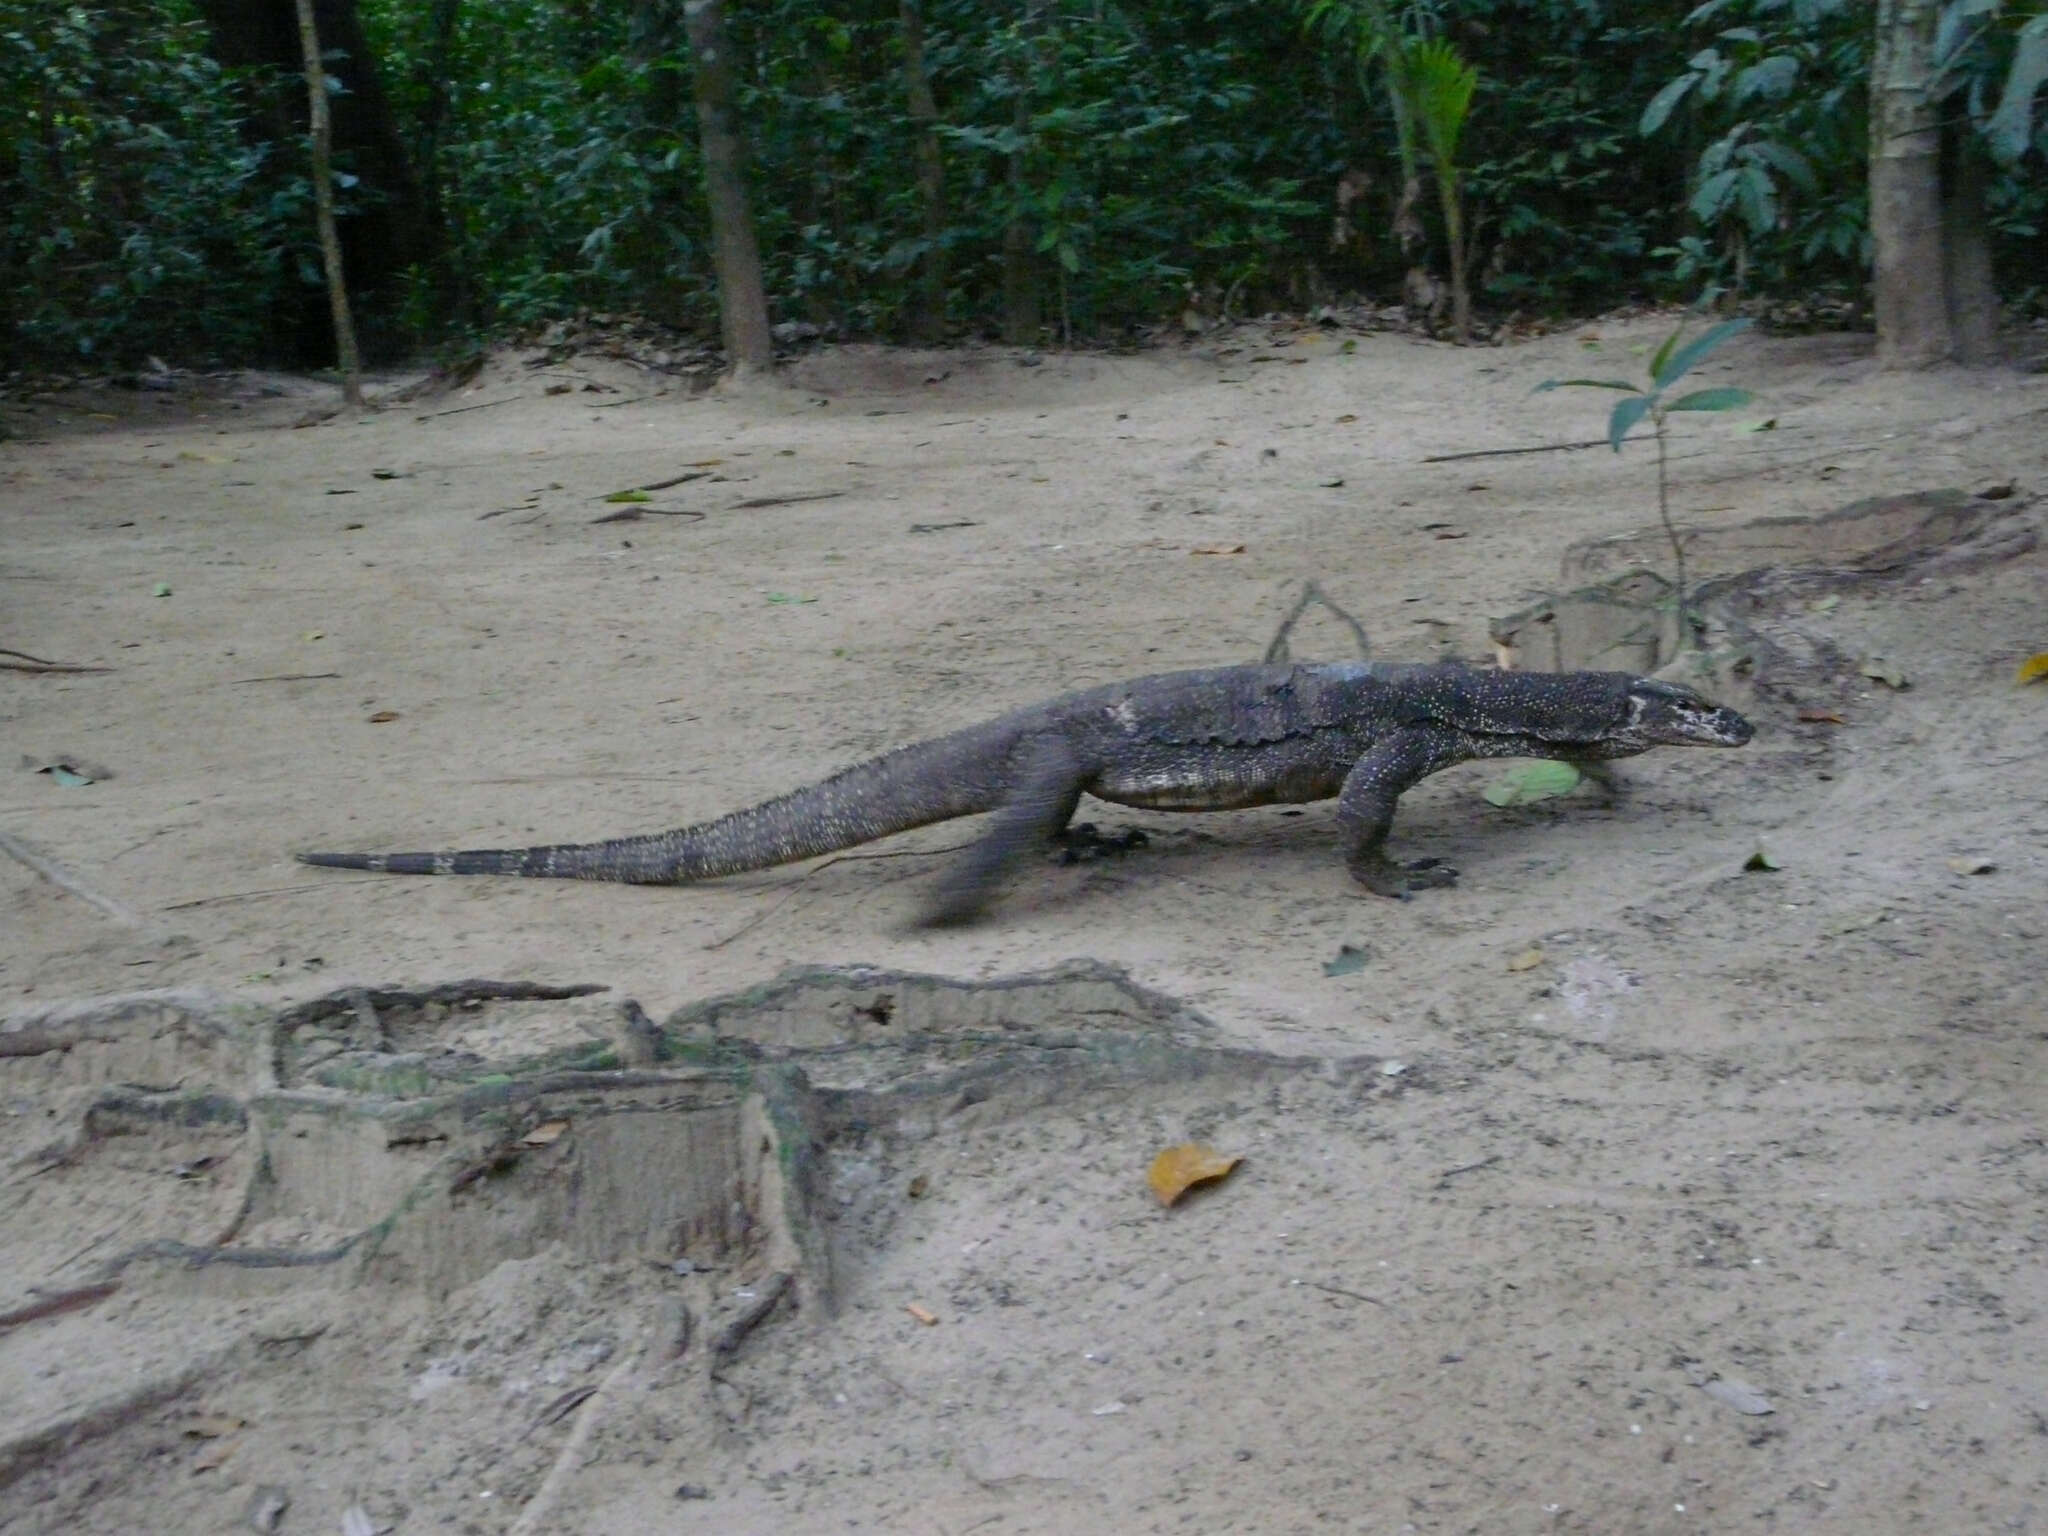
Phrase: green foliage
(136, 217)
(1673, 361)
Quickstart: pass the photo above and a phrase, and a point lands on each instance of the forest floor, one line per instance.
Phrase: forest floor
(1549, 1181)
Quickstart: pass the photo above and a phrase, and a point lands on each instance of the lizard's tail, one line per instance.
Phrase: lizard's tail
(955, 775)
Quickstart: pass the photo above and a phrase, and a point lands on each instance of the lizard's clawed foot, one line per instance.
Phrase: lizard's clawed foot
(1084, 841)
(1401, 881)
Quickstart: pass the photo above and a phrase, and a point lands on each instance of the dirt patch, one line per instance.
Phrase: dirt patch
(1499, 1218)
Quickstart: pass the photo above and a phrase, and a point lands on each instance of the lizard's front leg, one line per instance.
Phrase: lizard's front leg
(1365, 810)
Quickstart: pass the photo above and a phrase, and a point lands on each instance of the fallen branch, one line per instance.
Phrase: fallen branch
(735, 1333)
(1503, 453)
(27, 663)
(753, 502)
(481, 405)
(62, 1301)
(64, 880)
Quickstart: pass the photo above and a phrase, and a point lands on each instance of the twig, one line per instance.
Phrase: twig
(634, 514)
(1311, 593)
(481, 405)
(284, 677)
(28, 663)
(1502, 453)
(1338, 1290)
(540, 1508)
(797, 884)
(63, 879)
(63, 1301)
(275, 890)
(753, 502)
(1451, 1173)
(673, 480)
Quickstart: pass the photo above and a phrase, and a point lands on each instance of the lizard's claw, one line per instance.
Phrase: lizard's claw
(1400, 881)
(1084, 841)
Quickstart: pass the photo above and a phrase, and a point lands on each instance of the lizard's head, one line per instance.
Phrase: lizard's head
(1663, 714)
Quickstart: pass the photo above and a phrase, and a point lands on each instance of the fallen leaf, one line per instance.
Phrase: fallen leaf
(784, 597)
(1530, 782)
(1178, 1169)
(213, 1455)
(68, 776)
(1763, 858)
(1879, 669)
(1331, 485)
(1768, 424)
(161, 589)
(384, 717)
(1826, 604)
(1452, 533)
(1349, 958)
(1527, 960)
(211, 1426)
(316, 634)
(1217, 549)
(919, 1187)
(1822, 717)
(545, 1134)
(702, 463)
(1972, 866)
(928, 1318)
(629, 496)
(1854, 922)
(2033, 669)
(1346, 419)
(1739, 1395)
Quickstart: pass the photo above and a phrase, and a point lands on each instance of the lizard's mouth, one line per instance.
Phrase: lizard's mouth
(1725, 728)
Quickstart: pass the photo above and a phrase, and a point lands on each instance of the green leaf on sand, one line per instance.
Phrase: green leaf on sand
(1527, 783)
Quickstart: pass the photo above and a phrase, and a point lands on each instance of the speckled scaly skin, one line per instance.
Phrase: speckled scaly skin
(1213, 740)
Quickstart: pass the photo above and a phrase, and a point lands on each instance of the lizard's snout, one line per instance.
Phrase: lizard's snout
(1725, 728)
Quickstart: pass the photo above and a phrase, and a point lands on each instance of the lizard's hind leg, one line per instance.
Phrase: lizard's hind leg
(1045, 786)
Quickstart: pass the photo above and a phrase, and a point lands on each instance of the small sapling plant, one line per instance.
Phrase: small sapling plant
(1672, 363)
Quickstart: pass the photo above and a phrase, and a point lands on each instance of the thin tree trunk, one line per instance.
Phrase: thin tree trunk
(928, 315)
(1454, 237)
(1909, 274)
(1972, 291)
(1021, 318)
(742, 302)
(346, 357)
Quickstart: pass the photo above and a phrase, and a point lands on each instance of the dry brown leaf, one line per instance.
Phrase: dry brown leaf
(384, 717)
(929, 1318)
(1346, 419)
(211, 1426)
(1527, 960)
(1178, 1169)
(546, 1134)
(2034, 668)
(1822, 717)
(1217, 549)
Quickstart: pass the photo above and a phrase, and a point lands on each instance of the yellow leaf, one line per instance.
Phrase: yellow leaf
(1178, 1169)
(545, 1134)
(929, 1318)
(2034, 668)
(1527, 960)
(1217, 549)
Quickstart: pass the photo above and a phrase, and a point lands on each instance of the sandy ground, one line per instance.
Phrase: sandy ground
(1499, 1219)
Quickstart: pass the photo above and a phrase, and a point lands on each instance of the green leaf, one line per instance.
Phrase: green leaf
(1626, 414)
(1621, 384)
(1711, 400)
(1713, 197)
(784, 597)
(1664, 103)
(1688, 356)
(629, 496)
(2009, 127)
(1664, 352)
(1527, 783)
(1349, 958)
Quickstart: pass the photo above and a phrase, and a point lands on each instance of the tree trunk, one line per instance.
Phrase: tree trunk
(928, 314)
(1021, 318)
(346, 357)
(742, 303)
(1913, 328)
(391, 228)
(1972, 291)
